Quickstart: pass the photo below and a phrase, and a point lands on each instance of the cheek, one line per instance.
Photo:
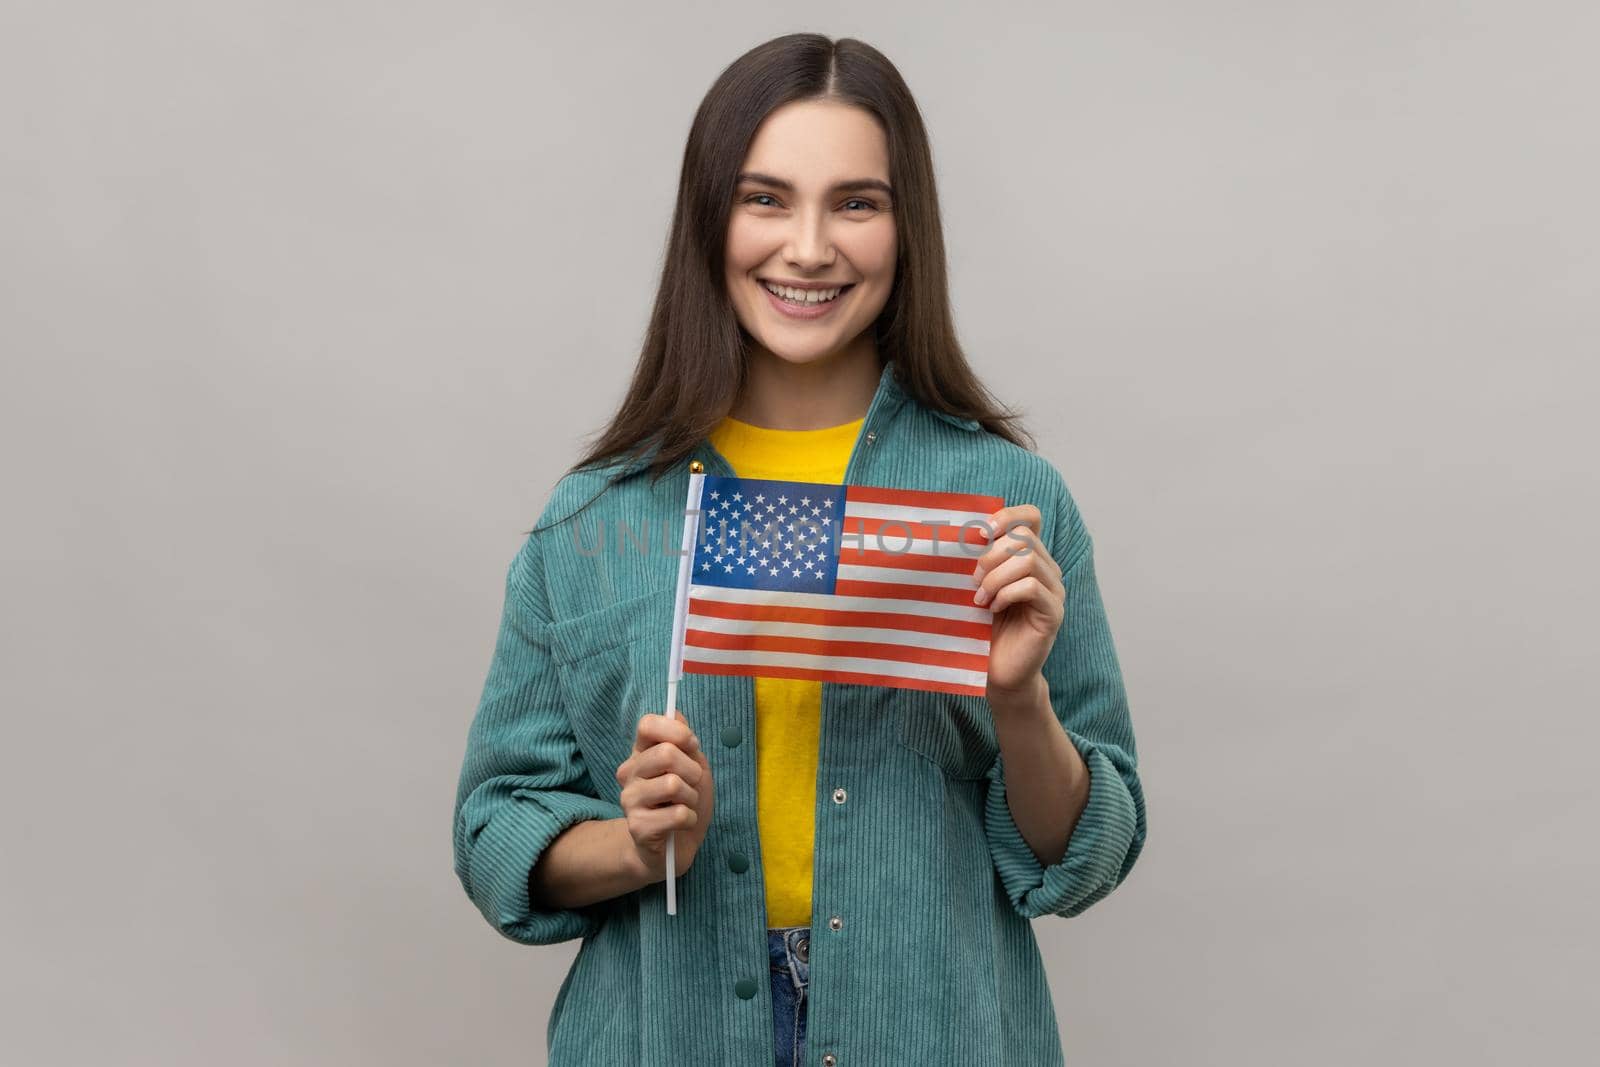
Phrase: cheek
(741, 251)
(872, 251)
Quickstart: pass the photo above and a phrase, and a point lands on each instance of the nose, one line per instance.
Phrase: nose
(809, 247)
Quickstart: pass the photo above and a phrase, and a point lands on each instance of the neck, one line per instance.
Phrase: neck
(782, 395)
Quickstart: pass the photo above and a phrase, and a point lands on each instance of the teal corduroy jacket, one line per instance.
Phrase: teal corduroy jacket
(922, 950)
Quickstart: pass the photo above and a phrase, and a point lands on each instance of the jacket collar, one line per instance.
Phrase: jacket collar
(887, 399)
(889, 387)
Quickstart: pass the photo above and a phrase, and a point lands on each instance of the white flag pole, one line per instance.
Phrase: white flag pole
(680, 611)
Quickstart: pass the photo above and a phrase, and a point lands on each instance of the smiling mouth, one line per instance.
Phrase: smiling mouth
(803, 298)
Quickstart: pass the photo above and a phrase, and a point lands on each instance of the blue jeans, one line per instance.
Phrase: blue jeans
(789, 953)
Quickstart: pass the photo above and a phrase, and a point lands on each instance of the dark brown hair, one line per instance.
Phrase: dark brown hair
(692, 365)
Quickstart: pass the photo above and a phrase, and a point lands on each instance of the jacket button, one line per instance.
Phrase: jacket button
(744, 988)
(835, 923)
(738, 863)
(731, 736)
(838, 796)
(872, 435)
(830, 1060)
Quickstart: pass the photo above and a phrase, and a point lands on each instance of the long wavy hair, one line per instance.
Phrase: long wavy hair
(692, 366)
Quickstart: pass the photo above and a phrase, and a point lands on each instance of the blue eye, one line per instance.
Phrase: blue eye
(755, 197)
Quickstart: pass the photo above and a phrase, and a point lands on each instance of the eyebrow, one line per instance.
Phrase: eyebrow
(852, 185)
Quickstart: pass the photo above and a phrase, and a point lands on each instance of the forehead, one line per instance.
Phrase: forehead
(816, 142)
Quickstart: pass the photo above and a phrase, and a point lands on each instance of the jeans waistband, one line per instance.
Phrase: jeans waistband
(789, 948)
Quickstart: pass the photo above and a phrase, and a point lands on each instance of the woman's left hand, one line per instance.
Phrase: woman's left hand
(1021, 583)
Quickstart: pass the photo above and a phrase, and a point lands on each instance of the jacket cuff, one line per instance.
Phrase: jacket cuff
(1096, 854)
(504, 856)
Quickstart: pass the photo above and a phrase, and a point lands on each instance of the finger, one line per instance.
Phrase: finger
(644, 794)
(1029, 591)
(650, 826)
(641, 739)
(1015, 515)
(1020, 542)
(655, 823)
(1004, 574)
(660, 759)
(655, 728)
(668, 789)
(1013, 569)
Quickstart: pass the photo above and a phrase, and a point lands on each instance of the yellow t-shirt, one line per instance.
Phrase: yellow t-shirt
(788, 710)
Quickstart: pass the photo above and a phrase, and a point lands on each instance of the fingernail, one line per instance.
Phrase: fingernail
(980, 597)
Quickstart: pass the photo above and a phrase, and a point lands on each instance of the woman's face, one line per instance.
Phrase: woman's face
(812, 207)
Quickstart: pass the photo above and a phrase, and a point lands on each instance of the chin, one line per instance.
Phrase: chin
(789, 355)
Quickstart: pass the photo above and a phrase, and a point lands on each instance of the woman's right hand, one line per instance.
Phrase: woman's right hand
(666, 789)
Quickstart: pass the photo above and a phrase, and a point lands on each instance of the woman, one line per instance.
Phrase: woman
(857, 866)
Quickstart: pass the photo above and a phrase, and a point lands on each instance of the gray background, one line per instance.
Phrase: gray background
(305, 306)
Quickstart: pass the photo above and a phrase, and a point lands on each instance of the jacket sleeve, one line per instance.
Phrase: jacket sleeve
(1087, 693)
(523, 779)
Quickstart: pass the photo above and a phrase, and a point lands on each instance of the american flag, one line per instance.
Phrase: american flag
(840, 583)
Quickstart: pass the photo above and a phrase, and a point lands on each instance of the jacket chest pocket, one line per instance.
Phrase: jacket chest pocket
(605, 662)
(954, 732)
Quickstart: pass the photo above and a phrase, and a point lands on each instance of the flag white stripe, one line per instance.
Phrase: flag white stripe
(914, 638)
(839, 602)
(872, 510)
(902, 576)
(893, 668)
(893, 542)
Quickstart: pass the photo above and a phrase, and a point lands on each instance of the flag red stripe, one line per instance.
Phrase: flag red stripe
(820, 675)
(894, 620)
(958, 562)
(931, 593)
(895, 531)
(920, 498)
(935, 657)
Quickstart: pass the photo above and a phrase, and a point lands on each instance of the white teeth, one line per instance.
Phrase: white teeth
(803, 296)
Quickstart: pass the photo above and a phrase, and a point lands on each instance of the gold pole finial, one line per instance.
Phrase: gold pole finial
(696, 467)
